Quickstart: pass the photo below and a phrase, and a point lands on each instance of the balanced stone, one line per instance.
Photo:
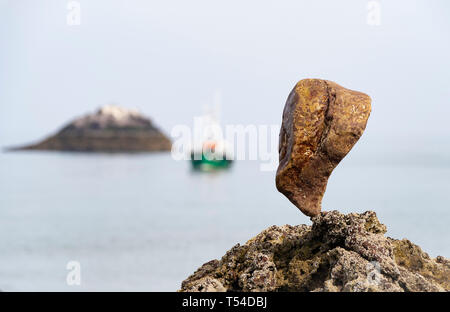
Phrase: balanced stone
(322, 121)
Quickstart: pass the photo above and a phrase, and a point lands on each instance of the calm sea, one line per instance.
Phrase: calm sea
(145, 222)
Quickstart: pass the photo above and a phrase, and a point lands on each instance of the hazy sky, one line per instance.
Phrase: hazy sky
(166, 58)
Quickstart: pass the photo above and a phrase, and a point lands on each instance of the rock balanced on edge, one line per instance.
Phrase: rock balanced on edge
(321, 122)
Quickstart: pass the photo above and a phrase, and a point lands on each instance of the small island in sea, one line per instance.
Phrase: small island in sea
(110, 129)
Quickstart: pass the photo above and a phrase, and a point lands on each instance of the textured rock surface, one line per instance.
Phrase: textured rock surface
(321, 123)
(110, 129)
(337, 253)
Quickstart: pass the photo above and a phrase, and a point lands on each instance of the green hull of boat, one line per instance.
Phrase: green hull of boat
(204, 164)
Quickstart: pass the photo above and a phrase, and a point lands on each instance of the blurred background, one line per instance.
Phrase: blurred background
(146, 221)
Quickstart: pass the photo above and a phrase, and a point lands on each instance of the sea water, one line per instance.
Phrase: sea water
(144, 222)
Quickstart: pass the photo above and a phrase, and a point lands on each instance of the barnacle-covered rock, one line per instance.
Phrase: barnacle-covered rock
(337, 253)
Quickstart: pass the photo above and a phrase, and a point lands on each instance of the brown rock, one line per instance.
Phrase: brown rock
(337, 253)
(321, 123)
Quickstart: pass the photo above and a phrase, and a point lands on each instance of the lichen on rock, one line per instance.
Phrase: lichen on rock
(338, 252)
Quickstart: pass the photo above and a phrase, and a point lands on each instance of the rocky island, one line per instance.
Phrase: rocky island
(110, 129)
(322, 121)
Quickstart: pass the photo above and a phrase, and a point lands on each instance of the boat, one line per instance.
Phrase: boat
(210, 151)
(212, 156)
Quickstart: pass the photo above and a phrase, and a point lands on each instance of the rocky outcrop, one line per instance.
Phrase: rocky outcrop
(337, 253)
(110, 129)
(321, 123)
